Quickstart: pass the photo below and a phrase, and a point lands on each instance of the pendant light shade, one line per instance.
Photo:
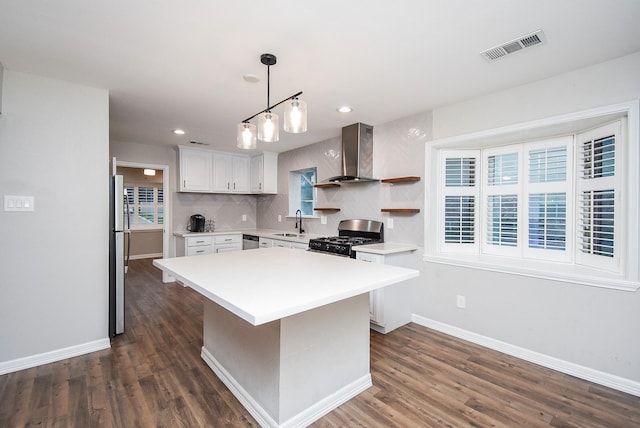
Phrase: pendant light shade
(268, 127)
(246, 136)
(295, 116)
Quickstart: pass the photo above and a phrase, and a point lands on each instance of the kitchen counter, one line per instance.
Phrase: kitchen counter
(290, 343)
(385, 248)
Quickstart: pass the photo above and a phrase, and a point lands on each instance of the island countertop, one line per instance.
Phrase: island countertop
(268, 284)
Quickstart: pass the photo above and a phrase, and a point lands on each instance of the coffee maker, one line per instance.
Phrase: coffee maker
(196, 223)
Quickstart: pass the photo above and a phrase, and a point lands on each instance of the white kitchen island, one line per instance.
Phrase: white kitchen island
(287, 331)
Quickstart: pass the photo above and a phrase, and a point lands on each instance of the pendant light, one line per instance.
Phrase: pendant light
(295, 120)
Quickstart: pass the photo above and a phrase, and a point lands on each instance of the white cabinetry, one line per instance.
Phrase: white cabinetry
(230, 173)
(227, 243)
(264, 173)
(207, 244)
(265, 242)
(194, 245)
(268, 243)
(195, 170)
(389, 307)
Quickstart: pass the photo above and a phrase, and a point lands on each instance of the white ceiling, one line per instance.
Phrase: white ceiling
(179, 64)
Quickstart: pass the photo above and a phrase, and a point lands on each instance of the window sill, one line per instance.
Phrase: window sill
(538, 269)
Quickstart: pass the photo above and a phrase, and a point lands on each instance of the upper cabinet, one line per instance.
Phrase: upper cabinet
(208, 171)
(264, 173)
(230, 173)
(195, 170)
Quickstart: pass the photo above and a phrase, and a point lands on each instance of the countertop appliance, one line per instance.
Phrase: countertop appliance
(118, 260)
(249, 242)
(196, 223)
(350, 234)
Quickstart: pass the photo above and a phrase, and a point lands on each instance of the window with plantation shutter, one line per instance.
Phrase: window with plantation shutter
(563, 205)
(520, 200)
(145, 206)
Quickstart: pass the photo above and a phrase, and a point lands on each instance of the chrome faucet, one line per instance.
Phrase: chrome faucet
(300, 229)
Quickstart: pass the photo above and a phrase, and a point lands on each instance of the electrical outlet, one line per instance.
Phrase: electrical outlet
(323, 219)
(390, 223)
(279, 218)
(244, 217)
(461, 301)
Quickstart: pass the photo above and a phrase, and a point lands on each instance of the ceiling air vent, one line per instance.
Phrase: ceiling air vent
(512, 46)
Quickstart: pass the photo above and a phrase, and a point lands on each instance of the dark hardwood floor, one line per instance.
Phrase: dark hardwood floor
(153, 376)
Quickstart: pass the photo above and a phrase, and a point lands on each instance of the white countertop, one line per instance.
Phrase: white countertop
(268, 284)
(385, 248)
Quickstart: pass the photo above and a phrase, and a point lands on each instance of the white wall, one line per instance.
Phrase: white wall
(590, 327)
(54, 140)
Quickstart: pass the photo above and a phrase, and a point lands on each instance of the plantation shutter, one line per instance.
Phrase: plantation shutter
(459, 212)
(598, 197)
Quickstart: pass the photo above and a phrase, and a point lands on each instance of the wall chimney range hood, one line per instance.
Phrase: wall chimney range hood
(357, 155)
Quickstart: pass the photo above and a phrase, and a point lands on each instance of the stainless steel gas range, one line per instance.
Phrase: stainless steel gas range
(350, 234)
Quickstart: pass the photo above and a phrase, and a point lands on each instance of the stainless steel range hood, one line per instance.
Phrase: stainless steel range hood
(357, 155)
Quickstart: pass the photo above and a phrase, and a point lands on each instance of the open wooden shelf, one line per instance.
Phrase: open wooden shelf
(325, 185)
(327, 209)
(401, 210)
(409, 179)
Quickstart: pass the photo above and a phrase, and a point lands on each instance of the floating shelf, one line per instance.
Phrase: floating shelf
(327, 209)
(326, 185)
(401, 210)
(409, 179)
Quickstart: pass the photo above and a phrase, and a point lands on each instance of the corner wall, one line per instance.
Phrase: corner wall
(54, 141)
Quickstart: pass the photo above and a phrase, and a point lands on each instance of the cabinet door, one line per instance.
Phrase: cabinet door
(240, 168)
(257, 163)
(222, 166)
(376, 297)
(195, 171)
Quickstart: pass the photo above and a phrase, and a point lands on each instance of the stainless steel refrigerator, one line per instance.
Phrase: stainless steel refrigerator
(118, 258)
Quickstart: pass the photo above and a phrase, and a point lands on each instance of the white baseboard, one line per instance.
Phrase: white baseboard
(582, 372)
(302, 419)
(53, 356)
(145, 256)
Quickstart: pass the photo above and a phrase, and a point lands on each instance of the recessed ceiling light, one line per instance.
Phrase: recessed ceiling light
(345, 109)
(178, 131)
(251, 78)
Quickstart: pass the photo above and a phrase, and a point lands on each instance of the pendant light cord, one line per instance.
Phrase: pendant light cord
(268, 84)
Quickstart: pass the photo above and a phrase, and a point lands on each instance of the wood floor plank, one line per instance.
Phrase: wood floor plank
(153, 376)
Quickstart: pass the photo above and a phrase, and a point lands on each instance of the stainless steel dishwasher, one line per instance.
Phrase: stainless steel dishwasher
(250, 242)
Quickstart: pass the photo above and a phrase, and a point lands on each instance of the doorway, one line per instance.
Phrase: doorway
(150, 211)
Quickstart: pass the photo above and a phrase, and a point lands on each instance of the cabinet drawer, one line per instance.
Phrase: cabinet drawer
(196, 251)
(227, 239)
(197, 241)
(368, 257)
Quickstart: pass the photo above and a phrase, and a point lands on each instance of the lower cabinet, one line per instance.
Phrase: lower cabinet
(268, 242)
(389, 307)
(227, 243)
(207, 244)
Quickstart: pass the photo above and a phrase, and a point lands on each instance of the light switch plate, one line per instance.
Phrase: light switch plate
(18, 203)
(323, 219)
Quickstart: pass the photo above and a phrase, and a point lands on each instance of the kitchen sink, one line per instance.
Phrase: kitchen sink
(286, 234)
